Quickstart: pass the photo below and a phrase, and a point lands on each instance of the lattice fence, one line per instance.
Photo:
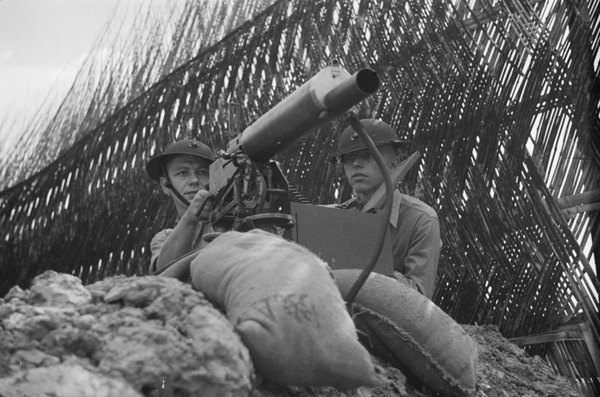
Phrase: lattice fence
(500, 98)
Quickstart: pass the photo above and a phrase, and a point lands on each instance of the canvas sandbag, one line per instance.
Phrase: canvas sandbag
(409, 331)
(283, 302)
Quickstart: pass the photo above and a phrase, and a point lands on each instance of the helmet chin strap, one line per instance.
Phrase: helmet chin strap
(177, 194)
(170, 186)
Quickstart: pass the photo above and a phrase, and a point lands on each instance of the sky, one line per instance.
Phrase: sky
(43, 43)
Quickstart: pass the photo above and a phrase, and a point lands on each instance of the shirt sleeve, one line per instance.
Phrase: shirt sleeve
(421, 261)
(156, 245)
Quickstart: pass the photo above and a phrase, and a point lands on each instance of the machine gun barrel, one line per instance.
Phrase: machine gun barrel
(328, 94)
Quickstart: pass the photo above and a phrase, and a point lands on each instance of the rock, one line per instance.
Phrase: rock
(154, 334)
(58, 289)
(64, 381)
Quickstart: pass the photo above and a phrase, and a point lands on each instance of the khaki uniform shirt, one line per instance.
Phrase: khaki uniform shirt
(416, 243)
(159, 238)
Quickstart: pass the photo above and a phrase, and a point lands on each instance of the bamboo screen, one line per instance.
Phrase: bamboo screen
(499, 98)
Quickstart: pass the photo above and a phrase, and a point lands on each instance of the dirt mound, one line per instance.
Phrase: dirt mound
(153, 336)
(149, 334)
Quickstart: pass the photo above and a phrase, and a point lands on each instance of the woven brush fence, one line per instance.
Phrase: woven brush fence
(500, 98)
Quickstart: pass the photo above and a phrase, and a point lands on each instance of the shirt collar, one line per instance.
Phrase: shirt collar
(396, 201)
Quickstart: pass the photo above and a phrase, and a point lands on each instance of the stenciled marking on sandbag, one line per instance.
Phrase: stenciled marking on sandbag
(296, 305)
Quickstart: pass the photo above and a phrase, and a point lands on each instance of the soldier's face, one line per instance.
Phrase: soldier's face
(362, 171)
(188, 174)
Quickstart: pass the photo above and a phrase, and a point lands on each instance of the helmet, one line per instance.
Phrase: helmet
(381, 133)
(188, 146)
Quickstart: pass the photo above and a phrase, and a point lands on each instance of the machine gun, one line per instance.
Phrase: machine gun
(249, 190)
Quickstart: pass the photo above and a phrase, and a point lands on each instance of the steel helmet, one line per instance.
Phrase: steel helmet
(188, 147)
(381, 133)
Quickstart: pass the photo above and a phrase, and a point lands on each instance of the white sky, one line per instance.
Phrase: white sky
(42, 46)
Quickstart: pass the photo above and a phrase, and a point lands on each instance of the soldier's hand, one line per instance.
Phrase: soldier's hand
(200, 205)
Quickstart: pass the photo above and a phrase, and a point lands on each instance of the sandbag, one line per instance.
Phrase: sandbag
(409, 331)
(283, 302)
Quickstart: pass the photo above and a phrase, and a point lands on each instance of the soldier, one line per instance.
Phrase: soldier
(182, 171)
(414, 226)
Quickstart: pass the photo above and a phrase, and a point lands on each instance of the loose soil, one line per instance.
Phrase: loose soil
(153, 336)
